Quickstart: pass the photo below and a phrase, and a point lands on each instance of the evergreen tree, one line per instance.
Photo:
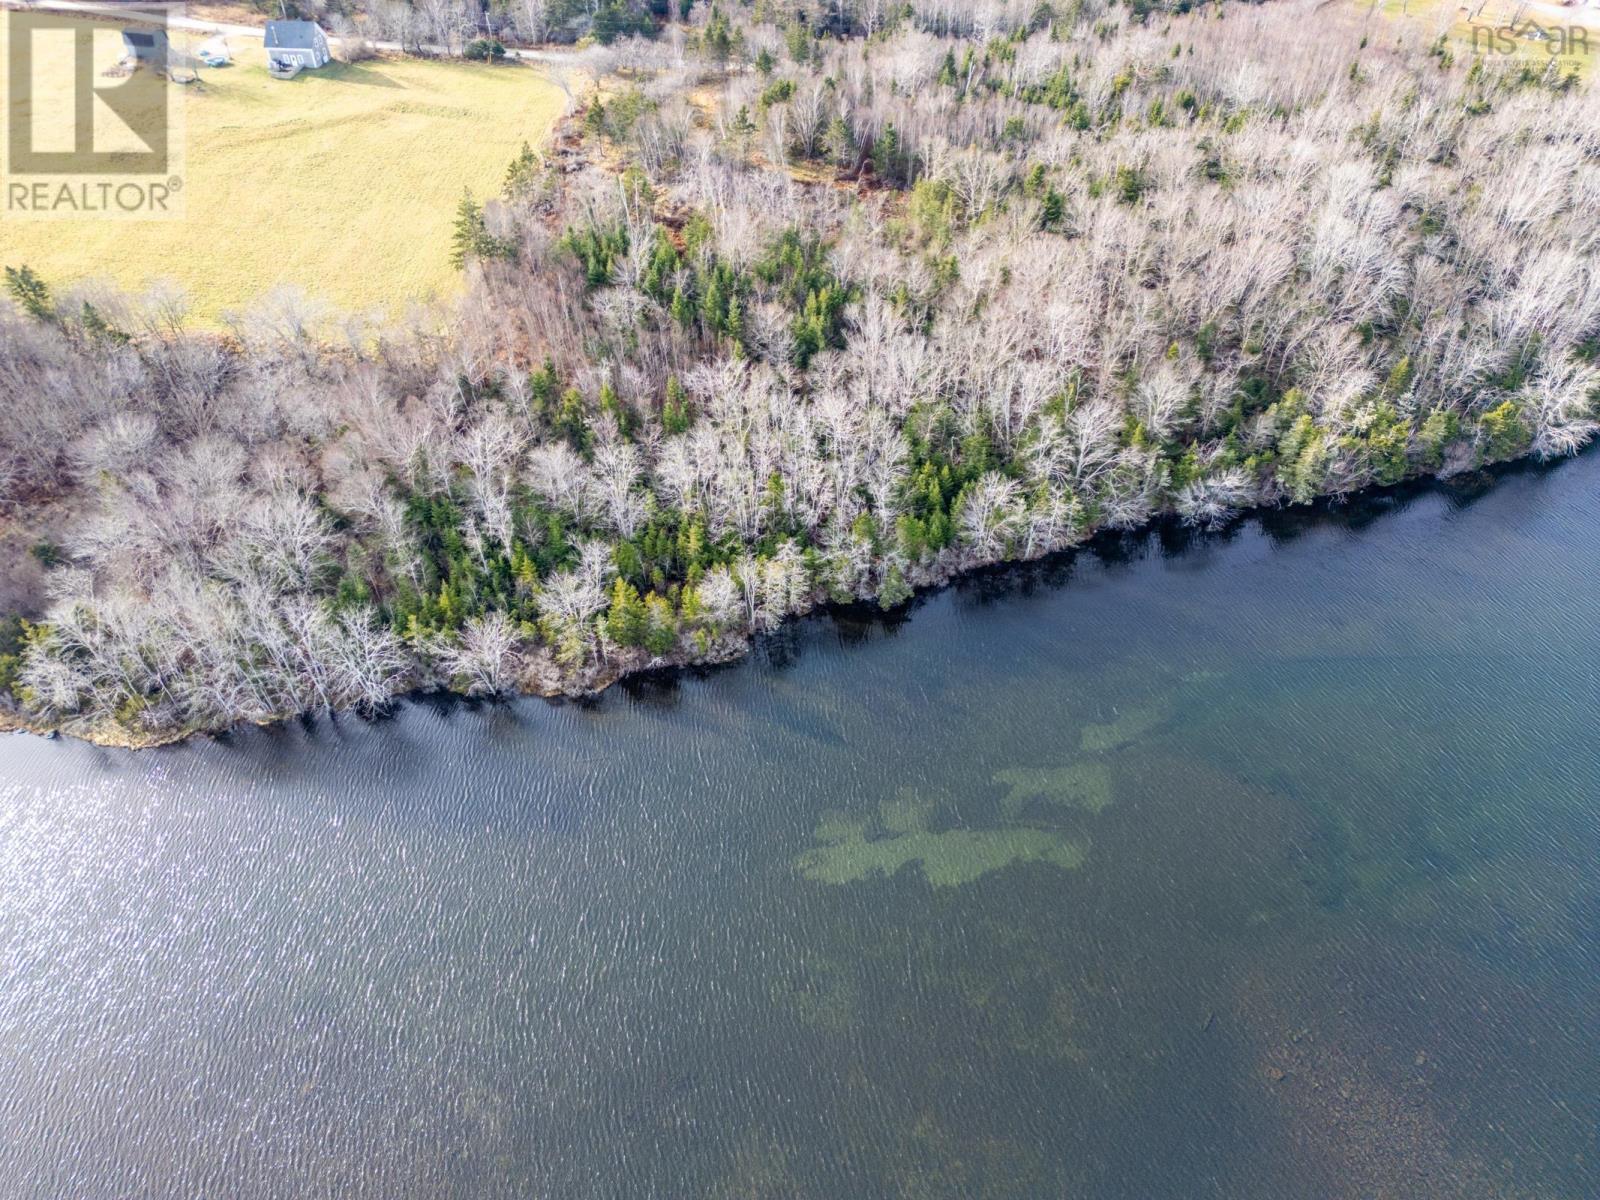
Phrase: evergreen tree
(543, 387)
(719, 39)
(840, 143)
(798, 40)
(660, 625)
(611, 20)
(97, 328)
(1504, 433)
(1052, 208)
(626, 618)
(741, 130)
(471, 238)
(894, 591)
(469, 231)
(675, 415)
(570, 422)
(523, 172)
(886, 153)
(611, 404)
(714, 305)
(30, 292)
(682, 308)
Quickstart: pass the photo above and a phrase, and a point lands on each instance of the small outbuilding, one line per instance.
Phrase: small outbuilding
(145, 48)
(295, 46)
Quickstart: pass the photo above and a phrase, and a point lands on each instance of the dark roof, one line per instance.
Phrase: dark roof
(292, 35)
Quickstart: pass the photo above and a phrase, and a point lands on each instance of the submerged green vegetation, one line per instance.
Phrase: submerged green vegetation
(809, 307)
(1128, 726)
(1084, 785)
(902, 834)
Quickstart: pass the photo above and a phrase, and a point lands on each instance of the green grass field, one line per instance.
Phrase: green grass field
(343, 181)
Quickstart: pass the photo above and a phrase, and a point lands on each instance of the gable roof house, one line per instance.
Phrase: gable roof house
(293, 46)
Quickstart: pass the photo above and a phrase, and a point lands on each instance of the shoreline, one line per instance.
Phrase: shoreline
(735, 647)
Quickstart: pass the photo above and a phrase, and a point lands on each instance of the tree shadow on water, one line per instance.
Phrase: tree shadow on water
(858, 624)
(660, 689)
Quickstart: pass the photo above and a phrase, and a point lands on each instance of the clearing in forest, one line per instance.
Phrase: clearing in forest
(343, 181)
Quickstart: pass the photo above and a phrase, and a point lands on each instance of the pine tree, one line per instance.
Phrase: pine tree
(775, 501)
(894, 590)
(799, 42)
(886, 153)
(719, 39)
(611, 404)
(675, 415)
(98, 329)
(691, 548)
(469, 236)
(682, 308)
(626, 617)
(30, 292)
(1399, 380)
(690, 607)
(841, 143)
(660, 625)
(523, 171)
(714, 306)
(570, 422)
(1052, 208)
(543, 385)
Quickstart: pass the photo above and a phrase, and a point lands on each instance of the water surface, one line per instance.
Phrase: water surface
(1253, 865)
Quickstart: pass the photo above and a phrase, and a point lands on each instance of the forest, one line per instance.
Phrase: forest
(807, 304)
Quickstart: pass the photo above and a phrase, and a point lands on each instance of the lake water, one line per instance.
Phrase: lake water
(1252, 865)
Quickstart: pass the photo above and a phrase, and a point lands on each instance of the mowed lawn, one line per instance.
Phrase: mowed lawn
(342, 181)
